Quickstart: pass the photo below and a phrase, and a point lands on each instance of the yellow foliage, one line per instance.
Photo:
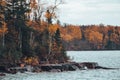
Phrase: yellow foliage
(76, 33)
(71, 32)
(66, 37)
(31, 60)
(53, 28)
(94, 36)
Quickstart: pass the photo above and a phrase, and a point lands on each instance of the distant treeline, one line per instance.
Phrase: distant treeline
(91, 37)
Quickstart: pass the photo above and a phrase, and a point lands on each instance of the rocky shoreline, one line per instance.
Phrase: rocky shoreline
(70, 66)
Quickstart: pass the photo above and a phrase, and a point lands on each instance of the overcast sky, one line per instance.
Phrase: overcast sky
(90, 12)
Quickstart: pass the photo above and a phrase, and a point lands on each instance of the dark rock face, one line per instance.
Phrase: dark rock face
(71, 66)
(58, 67)
(14, 70)
(46, 68)
(68, 67)
(2, 69)
(52, 67)
(100, 67)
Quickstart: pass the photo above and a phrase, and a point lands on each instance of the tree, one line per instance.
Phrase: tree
(50, 15)
(25, 34)
(17, 37)
(3, 27)
(58, 37)
(60, 47)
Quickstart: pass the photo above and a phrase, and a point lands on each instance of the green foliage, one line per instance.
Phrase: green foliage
(22, 40)
(58, 37)
(16, 40)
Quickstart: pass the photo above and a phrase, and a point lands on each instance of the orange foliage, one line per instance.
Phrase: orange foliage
(1, 16)
(53, 28)
(2, 2)
(93, 36)
(3, 29)
(66, 37)
(96, 37)
(33, 4)
(41, 27)
(71, 32)
(36, 26)
(48, 15)
(31, 60)
(114, 37)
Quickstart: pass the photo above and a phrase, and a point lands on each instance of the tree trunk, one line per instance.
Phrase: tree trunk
(3, 42)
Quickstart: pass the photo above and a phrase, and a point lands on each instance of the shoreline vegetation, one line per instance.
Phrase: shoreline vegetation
(28, 34)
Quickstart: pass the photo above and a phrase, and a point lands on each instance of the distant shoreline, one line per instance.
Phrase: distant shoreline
(93, 50)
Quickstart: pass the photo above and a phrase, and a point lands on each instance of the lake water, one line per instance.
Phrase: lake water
(103, 58)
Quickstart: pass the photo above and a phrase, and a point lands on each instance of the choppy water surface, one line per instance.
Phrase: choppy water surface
(104, 58)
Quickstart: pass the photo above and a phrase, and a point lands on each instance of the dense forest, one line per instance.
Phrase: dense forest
(28, 34)
(31, 33)
(91, 37)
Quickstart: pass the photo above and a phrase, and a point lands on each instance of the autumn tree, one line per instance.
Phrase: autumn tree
(25, 34)
(60, 47)
(51, 28)
(3, 26)
(46, 30)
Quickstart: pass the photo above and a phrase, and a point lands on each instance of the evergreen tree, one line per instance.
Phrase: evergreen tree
(58, 38)
(17, 41)
(1, 13)
(18, 32)
(3, 27)
(60, 48)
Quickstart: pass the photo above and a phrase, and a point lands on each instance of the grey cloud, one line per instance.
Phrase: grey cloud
(90, 11)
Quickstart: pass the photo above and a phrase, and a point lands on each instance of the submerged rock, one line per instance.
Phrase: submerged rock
(2, 74)
(55, 70)
(88, 65)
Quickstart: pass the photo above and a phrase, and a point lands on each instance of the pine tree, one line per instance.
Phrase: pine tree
(58, 37)
(17, 39)
(60, 48)
(3, 27)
